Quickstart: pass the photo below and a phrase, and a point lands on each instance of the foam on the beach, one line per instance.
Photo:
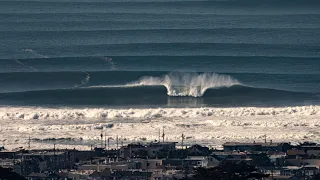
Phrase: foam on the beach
(208, 126)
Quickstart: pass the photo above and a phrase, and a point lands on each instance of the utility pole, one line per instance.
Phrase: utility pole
(29, 141)
(101, 135)
(122, 141)
(91, 154)
(54, 148)
(14, 159)
(272, 172)
(265, 135)
(108, 143)
(118, 147)
(55, 157)
(147, 168)
(117, 142)
(130, 152)
(163, 134)
(105, 140)
(182, 137)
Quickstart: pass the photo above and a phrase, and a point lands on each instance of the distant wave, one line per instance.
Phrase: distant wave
(25, 65)
(176, 83)
(219, 64)
(84, 81)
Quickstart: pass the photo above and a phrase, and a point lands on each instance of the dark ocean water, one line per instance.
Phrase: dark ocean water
(159, 53)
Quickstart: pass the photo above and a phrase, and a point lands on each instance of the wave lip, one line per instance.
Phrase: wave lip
(187, 84)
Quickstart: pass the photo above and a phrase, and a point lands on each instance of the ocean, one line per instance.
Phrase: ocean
(221, 70)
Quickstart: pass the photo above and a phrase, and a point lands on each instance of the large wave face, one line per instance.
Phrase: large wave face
(188, 84)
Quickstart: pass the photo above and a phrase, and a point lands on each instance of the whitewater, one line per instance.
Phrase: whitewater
(79, 128)
(35, 113)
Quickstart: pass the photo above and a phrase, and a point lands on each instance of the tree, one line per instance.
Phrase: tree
(195, 150)
(6, 174)
(261, 160)
(315, 176)
(229, 170)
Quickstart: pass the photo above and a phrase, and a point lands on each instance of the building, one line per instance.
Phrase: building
(149, 150)
(238, 146)
(295, 153)
(231, 155)
(147, 164)
(192, 161)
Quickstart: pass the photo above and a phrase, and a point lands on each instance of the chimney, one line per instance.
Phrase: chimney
(270, 142)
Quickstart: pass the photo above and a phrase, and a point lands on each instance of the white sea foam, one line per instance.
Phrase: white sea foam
(101, 113)
(208, 126)
(35, 53)
(189, 84)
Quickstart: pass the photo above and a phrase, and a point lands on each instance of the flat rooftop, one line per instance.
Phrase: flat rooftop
(250, 144)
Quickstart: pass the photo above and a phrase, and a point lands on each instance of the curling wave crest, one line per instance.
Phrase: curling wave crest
(187, 84)
(15, 113)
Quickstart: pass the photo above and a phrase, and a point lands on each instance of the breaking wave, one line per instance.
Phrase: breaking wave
(35, 53)
(185, 84)
(84, 81)
(31, 113)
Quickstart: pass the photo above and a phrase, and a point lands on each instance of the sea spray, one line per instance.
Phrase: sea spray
(35, 53)
(84, 81)
(110, 62)
(188, 84)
